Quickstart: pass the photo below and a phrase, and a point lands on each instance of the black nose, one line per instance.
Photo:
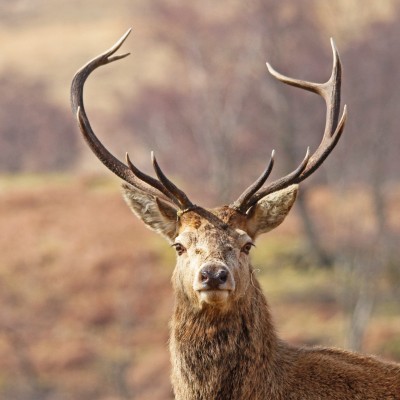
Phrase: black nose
(212, 277)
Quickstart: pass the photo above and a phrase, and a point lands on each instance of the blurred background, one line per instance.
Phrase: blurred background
(85, 288)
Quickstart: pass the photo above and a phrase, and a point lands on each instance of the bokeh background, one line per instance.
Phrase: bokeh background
(84, 288)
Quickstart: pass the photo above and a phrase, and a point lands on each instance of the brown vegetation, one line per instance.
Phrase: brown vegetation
(83, 300)
(86, 298)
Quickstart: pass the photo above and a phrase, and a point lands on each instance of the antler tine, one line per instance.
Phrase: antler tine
(333, 91)
(280, 183)
(84, 72)
(131, 174)
(330, 92)
(240, 203)
(185, 203)
(151, 181)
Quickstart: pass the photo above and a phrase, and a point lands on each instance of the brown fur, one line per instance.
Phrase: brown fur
(225, 348)
(239, 356)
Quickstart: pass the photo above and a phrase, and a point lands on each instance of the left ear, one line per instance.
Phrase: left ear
(158, 215)
(270, 211)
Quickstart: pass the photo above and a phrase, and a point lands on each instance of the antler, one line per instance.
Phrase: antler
(330, 92)
(162, 188)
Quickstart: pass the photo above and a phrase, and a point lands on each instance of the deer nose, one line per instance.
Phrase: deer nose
(213, 276)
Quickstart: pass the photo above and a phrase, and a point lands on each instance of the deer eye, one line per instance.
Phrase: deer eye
(246, 248)
(179, 248)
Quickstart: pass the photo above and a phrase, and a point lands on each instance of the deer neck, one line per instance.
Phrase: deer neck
(211, 351)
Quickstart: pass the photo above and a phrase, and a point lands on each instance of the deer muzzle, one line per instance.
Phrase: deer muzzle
(214, 282)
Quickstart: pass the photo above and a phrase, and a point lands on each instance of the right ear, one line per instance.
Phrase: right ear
(157, 214)
(270, 211)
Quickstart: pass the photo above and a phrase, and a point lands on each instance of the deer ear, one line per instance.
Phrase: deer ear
(270, 211)
(157, 214)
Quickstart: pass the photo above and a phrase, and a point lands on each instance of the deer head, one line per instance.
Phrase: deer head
(213, 269)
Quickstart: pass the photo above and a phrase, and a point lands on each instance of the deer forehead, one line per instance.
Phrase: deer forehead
(221, 218)
(227, 231)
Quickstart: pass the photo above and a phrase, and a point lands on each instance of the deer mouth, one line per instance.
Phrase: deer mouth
(213, 296)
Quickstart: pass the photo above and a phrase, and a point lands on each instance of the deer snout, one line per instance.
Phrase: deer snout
(214, 276)
(213, 279)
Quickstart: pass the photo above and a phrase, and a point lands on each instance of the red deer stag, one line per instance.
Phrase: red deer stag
(223, 343)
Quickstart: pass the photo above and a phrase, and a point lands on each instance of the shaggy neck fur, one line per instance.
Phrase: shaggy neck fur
(221, 355)
(236, 355)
